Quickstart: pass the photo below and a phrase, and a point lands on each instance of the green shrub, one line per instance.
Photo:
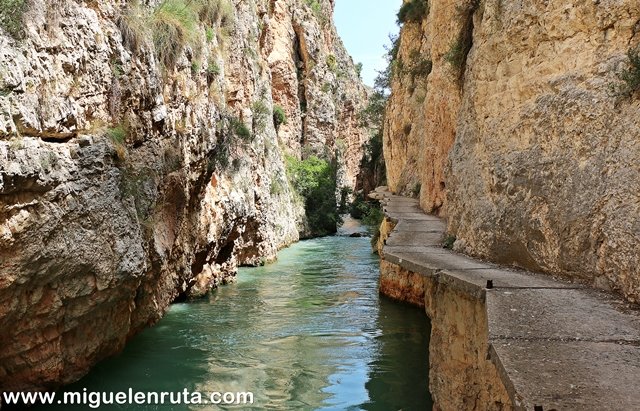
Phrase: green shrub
(316, 8)
(210, 34)
(457, 55)
(413, 11)
(419, 67)
(217, 13)
(630, 76)
(133, 23)
(118, 136)
(240, 129)
(459, 50)
(373, 114)
(279, 116)
(448, 242)
(213, 70)
(332, 63)
(383, 80)
(11, 12)
(314, 180)
(359, 67)
(195, 67)
(173, 27)
(260, 116)
(370, 214)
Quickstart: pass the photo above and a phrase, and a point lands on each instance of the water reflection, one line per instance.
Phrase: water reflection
(308, 332)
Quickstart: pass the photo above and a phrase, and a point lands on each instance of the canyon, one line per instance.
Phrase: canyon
(148, 149)
(137, 169)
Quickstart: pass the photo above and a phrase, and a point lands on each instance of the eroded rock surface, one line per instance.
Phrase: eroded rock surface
(98, 236)
(515, 134)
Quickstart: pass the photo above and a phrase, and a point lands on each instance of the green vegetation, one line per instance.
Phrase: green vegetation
(232, 134)
(316, 8)
(448, 242)
(459, 50)
(218, 13)
(383, 80)
(630, 76)
(11, 12)
(373, 114)
(210, 34)
(372, 165)
(314, 180)
(332, 63)
(195, 67)
(260, 116)
(240, 129)
(279, 116)
(213, 70)
(370, 213)
(172, 26)
(413, 11)
(276, 188)
(457, 55)
(359, 67)
(419, 67)
(118, 136)
(133, 25)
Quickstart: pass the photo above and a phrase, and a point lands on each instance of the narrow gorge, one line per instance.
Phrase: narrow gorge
(162, 161)
(144, 158)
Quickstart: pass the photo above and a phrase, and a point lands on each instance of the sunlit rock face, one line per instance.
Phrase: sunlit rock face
(126, 184)
(515, 134)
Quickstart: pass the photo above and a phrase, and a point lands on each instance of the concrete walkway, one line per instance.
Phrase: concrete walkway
(555, 344)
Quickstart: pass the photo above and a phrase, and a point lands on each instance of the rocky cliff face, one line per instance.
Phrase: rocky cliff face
(131, 176)
(513, 132)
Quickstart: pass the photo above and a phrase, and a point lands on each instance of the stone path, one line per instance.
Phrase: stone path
(555, 344)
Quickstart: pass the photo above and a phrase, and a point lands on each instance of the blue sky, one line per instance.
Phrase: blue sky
(364, 26)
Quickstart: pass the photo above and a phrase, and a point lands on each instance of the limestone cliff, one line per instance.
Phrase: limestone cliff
(137, 168)
(502, 116)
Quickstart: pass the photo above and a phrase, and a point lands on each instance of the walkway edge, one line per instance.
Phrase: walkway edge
(551, 343)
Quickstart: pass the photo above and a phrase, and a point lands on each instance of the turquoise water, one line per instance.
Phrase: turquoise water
(308, 332)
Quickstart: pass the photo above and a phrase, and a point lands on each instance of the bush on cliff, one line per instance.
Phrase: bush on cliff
(413, 11)
(630, 76)
(172, 26)
(217, 13)
(279, 116)
(314, 179)
(11, 12)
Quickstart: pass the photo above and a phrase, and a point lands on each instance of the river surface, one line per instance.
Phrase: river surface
(308, 332)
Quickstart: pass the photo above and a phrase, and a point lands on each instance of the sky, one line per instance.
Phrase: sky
(364, 26)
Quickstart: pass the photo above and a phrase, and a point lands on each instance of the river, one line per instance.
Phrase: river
(308, 332)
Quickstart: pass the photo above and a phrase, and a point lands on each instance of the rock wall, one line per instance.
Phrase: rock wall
(126, 184)
(461, 376)
(516, 136)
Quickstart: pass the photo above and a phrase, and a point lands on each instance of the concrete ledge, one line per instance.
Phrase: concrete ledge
(554, 344)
